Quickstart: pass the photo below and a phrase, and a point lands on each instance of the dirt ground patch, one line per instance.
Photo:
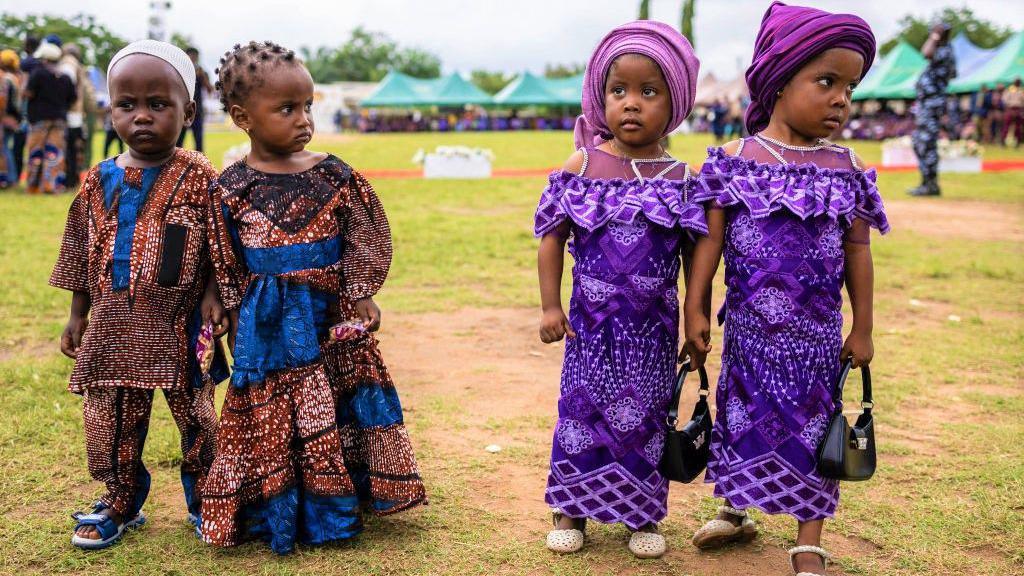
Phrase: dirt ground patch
(503, 385)
(957, 219)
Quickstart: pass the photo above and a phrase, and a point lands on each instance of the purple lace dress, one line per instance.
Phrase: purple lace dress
(784, 272)
(618, 373)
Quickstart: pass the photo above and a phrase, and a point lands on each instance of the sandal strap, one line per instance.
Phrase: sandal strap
(103, 524)
(825, 556)
(733, 511)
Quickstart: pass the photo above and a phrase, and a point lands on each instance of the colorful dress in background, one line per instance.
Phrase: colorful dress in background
(311, 428)
(628, 233)
(788, 211)
(52, 94)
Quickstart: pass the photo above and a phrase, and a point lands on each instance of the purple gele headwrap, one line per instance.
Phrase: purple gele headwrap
(789, 37)
(659, 42)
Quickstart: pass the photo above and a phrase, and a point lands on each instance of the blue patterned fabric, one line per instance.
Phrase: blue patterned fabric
(321, 519)
(371, 406)
(279, 319)
(130, 201)
(293, 257)
(277, 328)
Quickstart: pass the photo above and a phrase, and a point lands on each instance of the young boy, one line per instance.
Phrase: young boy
(135, 254)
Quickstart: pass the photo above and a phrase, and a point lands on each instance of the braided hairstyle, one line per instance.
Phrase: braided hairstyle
(242, 68)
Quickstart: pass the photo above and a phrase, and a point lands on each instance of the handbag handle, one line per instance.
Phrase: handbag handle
(703, 391)
(865, 374)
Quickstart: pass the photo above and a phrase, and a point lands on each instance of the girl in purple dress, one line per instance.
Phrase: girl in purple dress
(627, 207)
(792, 212)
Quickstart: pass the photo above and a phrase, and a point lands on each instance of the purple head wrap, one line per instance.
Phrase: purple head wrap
(789, 37)
(659, 42)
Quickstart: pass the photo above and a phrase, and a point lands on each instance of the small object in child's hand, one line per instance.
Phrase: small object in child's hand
(205, 347)
(346, 330)
(493, 448)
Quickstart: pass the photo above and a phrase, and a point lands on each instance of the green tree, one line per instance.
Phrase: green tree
(182, 41)
(490, 82)
(981, 32)
(686, 22)
(645, 10)
(563, 70)
(367, 56)
(98, 43)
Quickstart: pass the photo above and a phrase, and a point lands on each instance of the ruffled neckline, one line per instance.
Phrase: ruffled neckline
(594, 202)
(806, 190)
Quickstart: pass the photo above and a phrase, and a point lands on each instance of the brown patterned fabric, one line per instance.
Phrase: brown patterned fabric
(116, 423)
(137, 336)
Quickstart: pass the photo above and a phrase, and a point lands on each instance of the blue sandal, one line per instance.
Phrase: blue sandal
(110, 533)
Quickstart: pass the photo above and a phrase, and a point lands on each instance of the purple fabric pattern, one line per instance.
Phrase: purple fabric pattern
(784, 272)
(805, 190)
(592, 203)
(618, 371)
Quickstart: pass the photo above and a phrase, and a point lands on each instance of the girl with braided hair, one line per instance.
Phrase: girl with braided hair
(311, 428)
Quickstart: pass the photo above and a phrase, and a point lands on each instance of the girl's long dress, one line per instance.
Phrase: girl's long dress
(784, 272)
(311, 430)
(618, 373)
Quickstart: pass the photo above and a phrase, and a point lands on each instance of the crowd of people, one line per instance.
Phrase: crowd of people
(45, 94)
(995, 114)
(49, 105)
(475, 119)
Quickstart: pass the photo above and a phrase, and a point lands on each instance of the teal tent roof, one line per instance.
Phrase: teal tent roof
(1005, 66)
(531, 90)
(454, 90)
(399, 90)
(969, 57)
(894, 76)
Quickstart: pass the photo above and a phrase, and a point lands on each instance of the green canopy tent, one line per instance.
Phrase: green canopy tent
(454, 90)
(531, 90)
(1005, 66)
(894, 77)
(395, 90)
(569, 90)
(399, 90)
(526, 90)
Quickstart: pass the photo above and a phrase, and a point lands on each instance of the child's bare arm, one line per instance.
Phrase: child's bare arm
(860, 279)
(78, 321)
(550, 261)
(697, 303)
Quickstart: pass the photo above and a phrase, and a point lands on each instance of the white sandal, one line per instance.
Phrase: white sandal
(646, 545)
(825, 557)
(565, 541)
(717, 532)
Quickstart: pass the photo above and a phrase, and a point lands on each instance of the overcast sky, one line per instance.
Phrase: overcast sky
(508, 35)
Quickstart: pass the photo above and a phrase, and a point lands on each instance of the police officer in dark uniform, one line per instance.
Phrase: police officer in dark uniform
(931, 105)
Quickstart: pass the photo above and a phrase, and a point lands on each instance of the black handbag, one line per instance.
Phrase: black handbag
(848, 452)
(686, 451)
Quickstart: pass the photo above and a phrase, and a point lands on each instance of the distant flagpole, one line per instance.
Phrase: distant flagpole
(157, 28)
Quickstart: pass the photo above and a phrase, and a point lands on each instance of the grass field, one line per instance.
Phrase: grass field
(949, 369)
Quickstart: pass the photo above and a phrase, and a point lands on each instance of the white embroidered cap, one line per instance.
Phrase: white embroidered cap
(169, 53)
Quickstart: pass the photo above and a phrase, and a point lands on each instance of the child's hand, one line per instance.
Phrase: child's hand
(554, 325)
(697, 343)
(213, 311)
(71, 338)
(859, 348)
(369, 313)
